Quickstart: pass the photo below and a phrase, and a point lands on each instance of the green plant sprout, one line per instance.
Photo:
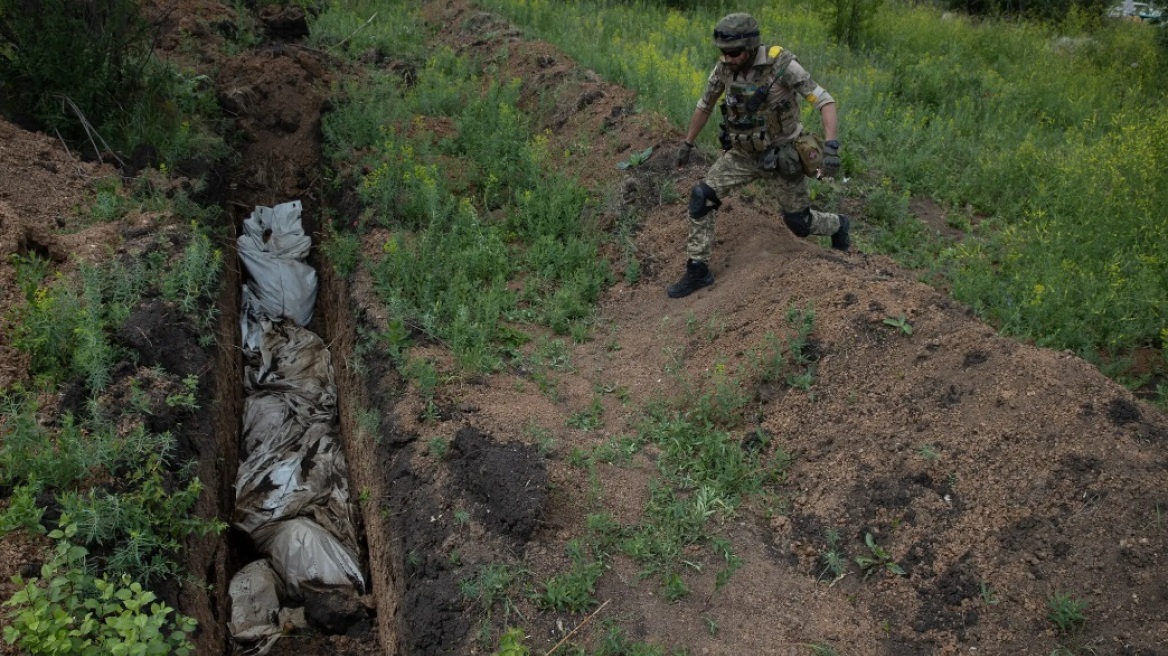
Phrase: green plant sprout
(988, 596)
(928, 452)
(833, 559)
(637, 159)
(876, 558)
(901, 323)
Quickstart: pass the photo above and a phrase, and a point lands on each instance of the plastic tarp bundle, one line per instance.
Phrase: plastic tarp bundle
(274, 248)
(291, 491)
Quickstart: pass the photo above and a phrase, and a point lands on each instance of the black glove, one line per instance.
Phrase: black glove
(831, 160)
(683, 154)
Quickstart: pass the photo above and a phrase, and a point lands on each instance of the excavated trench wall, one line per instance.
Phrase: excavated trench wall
(212, 558)
(382, 552)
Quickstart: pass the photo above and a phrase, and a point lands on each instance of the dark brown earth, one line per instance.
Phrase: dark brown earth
(995, 473)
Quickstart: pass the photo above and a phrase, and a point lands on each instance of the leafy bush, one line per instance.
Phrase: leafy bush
(68, 611)
(140, 523)
(92, 52)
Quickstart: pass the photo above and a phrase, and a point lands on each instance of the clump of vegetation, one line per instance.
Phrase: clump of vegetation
(68, 611)
(87, 71)
(877, 558)
(1066, 613)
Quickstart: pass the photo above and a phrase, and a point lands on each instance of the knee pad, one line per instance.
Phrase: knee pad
(799, 222)
(702, 200)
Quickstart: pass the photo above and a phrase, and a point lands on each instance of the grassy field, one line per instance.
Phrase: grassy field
(1046, 144)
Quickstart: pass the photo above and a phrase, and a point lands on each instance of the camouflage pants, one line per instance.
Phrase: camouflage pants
(736, 168)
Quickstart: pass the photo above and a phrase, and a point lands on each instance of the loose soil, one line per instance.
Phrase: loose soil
(995, 473)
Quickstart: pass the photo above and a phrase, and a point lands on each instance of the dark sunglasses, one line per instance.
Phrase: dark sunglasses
(733, 52)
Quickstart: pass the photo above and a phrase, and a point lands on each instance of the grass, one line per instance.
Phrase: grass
(833, 559)
(997, 120)
(449, 267)
(484, 250)
(704, 476)
(572, 591)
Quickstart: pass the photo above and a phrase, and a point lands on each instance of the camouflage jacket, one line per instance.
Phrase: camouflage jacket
(754, 119)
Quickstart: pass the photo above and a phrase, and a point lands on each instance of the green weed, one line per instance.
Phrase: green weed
(438, 447)
(511, 643)
(989, 597)
(369, 423)
(1066, 613)
(876, 559)
(615, 642)
(144, 525)
(590, 418)
(572, 591)
(354, 29)
(711, 625)
(928, 452)
(108, 205)
(23, 512)
(616, 450)
(117, 614)
(673, 588)
(343, 252)
(900, 323)
(833, 559)
(192, 283)
(636, 159)
(188, 397)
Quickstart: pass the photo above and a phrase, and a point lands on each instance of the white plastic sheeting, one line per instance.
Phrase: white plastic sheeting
(274, 248)
(291, 491)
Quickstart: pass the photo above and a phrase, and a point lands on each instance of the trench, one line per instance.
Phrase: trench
(277, 164)
(217, 560)
(276, 97)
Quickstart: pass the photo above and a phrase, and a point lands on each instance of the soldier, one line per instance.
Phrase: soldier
(762, 87)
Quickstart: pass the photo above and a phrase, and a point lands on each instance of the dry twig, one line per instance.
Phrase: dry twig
(578, 627)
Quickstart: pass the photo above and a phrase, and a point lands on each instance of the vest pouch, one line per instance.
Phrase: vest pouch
(810, 148)
(783, 159)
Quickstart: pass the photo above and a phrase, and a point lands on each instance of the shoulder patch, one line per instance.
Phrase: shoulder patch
(774, 51)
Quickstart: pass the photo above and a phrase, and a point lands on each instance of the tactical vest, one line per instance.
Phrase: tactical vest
(749, 122)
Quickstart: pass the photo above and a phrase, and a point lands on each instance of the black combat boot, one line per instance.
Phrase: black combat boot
(841, 240)
(697, 275)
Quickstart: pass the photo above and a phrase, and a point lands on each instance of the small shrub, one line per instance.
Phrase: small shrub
(67, 611)
(193, 280)
(22, 511)
(92, 52)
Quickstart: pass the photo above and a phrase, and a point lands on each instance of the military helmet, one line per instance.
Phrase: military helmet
(736, 31)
